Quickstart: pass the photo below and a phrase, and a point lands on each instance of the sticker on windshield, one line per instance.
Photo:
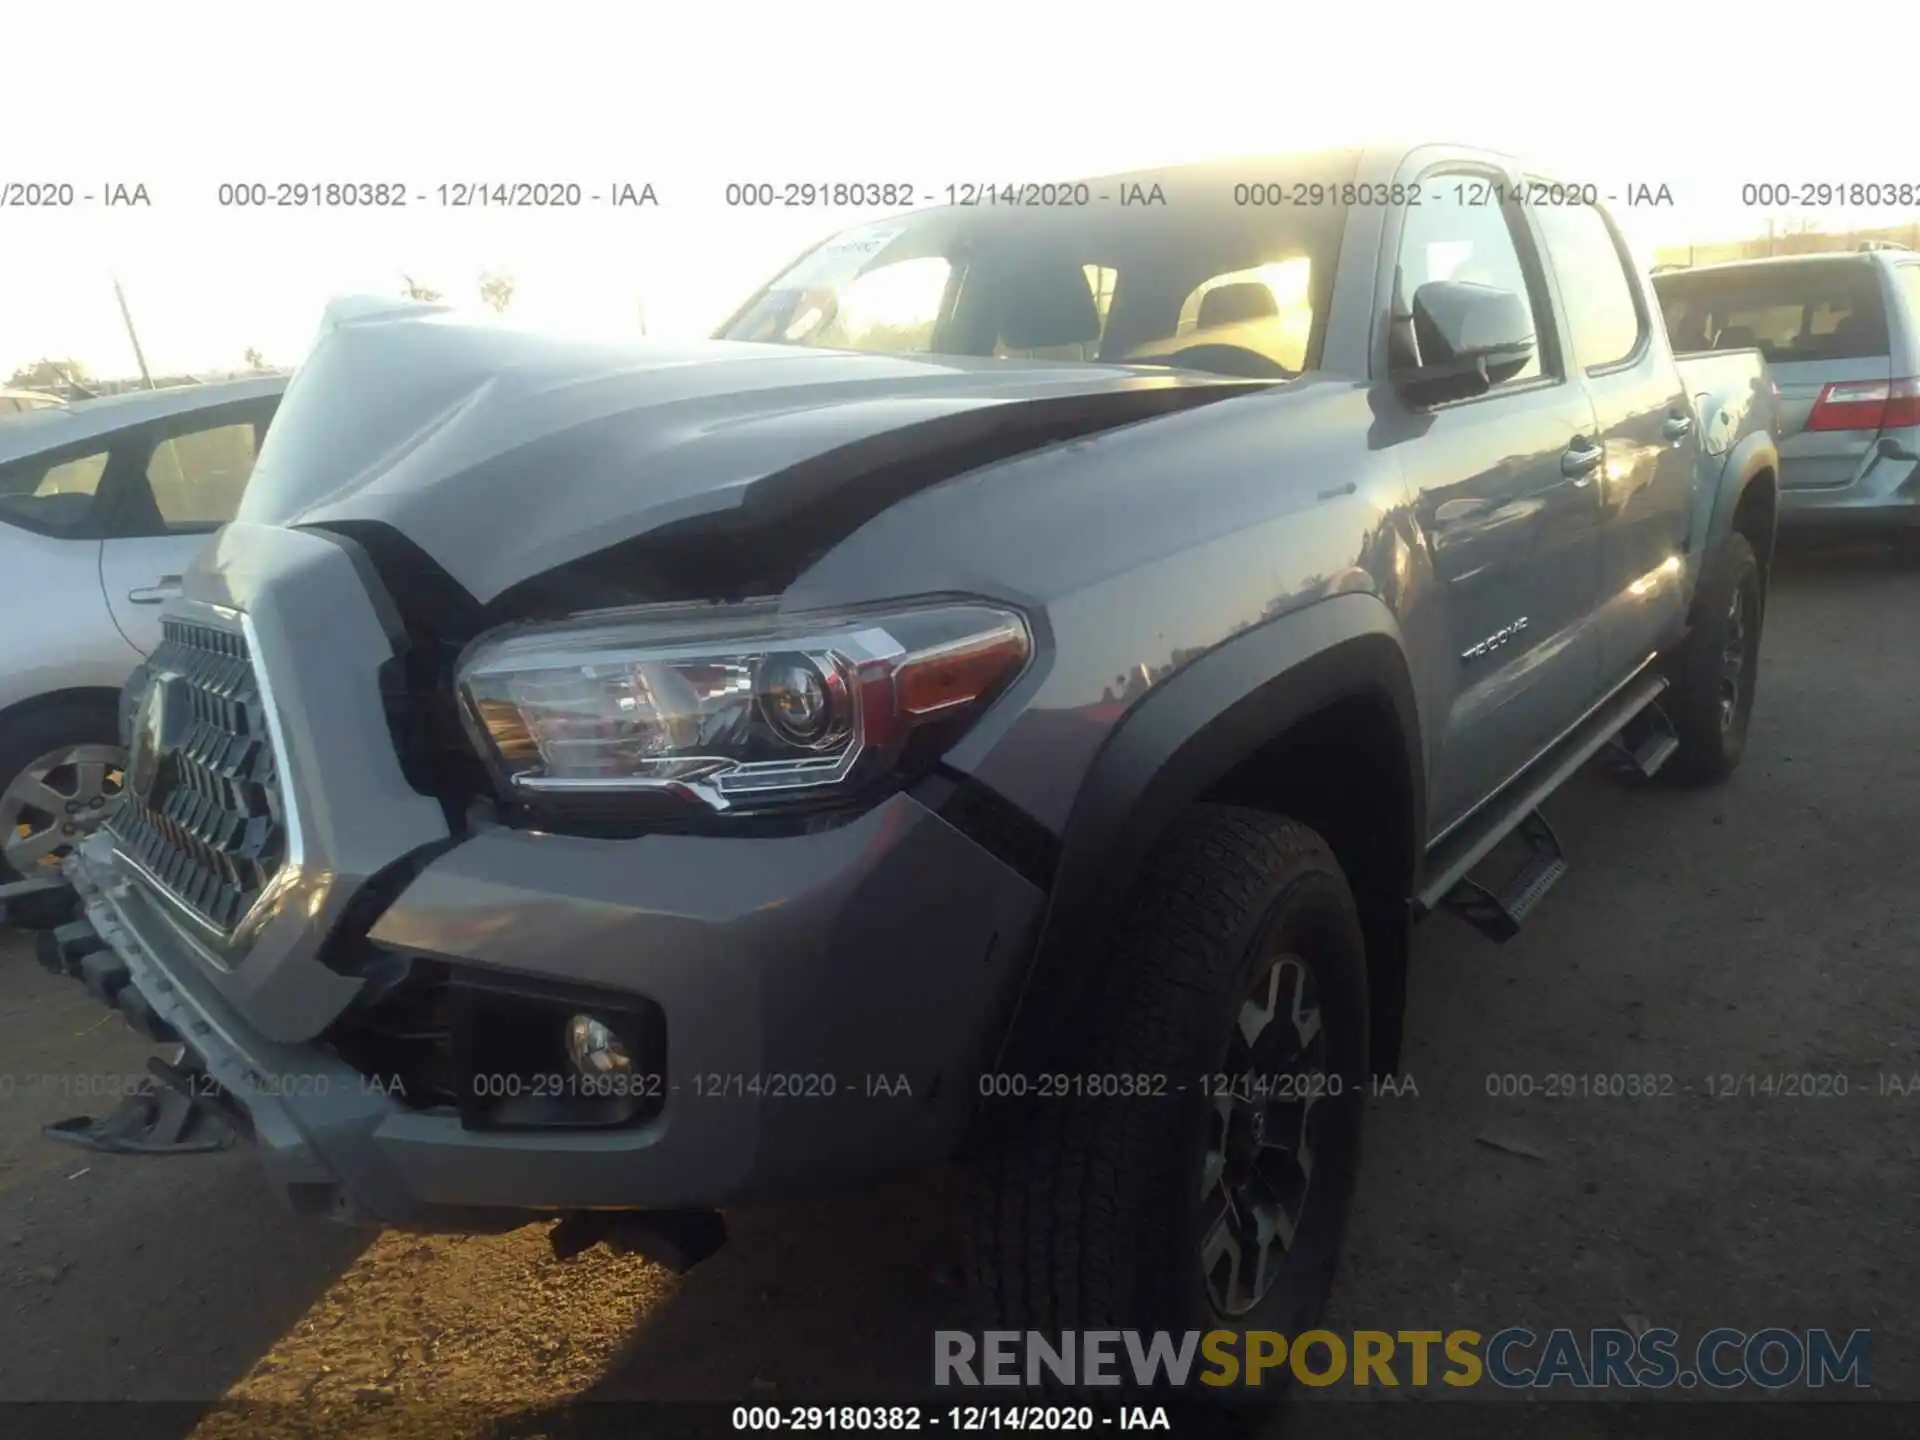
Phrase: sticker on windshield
(840, 259)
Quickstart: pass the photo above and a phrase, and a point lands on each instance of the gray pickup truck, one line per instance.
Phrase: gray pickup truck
(1007, 698)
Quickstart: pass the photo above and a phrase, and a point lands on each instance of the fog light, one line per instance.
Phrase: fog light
(595, 1049)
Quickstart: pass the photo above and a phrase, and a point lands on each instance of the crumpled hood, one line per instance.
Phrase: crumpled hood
(504, 454)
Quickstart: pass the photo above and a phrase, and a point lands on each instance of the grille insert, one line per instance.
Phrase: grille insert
(201, 810)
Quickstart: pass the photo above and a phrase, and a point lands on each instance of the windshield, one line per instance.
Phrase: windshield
(1219, 267)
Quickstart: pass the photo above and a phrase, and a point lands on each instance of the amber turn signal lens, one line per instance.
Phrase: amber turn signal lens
(935, 681)
(508, 727)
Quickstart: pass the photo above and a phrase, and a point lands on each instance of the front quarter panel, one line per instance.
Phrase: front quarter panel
(1136, 552)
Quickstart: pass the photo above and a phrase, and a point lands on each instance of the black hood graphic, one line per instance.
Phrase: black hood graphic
(501, 456)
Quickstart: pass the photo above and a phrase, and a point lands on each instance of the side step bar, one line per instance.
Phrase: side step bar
(1498, 910)
(1648, 742)
(1499, 913)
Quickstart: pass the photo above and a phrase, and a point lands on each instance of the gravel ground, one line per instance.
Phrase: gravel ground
(1765, 928)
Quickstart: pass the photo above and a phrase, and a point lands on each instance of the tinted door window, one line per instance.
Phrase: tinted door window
(1603, 308)
(198, 478)
(73, 477)
(1458, 233)
(52, 494)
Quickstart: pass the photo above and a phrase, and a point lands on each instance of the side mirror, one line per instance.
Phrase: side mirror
(1471, 338)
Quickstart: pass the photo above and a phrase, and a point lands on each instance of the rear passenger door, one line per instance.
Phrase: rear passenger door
(184, 481)
(1646, 426)
(1504, 489)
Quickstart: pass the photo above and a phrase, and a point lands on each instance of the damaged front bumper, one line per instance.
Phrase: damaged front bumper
(816, 1005)
(823, 1015)
(312, 1102)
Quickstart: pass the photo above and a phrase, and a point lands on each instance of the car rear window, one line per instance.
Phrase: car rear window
(1830, 310)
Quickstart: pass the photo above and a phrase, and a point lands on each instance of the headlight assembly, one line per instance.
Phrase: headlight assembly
(730, 706)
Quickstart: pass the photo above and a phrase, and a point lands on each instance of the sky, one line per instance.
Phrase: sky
(183, 98)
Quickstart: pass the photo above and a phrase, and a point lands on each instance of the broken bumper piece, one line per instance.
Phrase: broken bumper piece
(178, 1109)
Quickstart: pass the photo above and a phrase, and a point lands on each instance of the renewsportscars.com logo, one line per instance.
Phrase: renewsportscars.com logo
(1515, 1358)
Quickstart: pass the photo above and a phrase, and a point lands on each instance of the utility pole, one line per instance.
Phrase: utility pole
(127, 316)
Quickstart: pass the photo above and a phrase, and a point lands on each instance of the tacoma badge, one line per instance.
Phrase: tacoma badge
(1495, 640)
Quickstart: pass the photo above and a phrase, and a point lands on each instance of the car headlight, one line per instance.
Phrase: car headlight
(728, 705)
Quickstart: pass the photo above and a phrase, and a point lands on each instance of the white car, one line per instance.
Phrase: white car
(103, 503)
(19, 402)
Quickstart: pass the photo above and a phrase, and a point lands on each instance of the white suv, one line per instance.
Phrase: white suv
(102, 505)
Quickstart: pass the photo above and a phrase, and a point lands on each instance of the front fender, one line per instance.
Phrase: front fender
(1190, 732)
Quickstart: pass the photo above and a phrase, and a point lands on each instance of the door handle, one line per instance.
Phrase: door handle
(158, 594)
(1580, 461)
(1678, 427)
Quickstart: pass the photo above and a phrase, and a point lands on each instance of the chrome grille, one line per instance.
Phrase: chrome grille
(201, 811)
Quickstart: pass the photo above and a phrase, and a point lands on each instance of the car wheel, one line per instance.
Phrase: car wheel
(1711, 699)
(61, 765)
(1233, 1004)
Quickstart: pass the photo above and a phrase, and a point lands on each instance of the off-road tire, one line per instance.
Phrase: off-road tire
(1712, 742)
(1090, 1211)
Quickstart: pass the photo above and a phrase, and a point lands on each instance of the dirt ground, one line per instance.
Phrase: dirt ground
(1768, 927)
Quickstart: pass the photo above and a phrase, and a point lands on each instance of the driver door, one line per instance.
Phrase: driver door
(1505, 491)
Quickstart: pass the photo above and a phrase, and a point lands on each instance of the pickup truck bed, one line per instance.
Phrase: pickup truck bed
(1724, 385)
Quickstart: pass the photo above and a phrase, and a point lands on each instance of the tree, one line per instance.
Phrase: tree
(254, 359)
(414, 290)
(45, 374)
(496, 289)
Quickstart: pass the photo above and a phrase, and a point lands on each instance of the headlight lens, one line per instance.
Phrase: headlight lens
(728, 705)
